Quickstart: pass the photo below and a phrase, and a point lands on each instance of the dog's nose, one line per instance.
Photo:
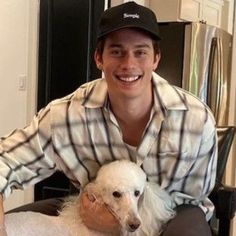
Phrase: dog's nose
(134, 225)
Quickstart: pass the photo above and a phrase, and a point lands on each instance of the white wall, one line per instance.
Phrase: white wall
(17, 73)
(13, 63)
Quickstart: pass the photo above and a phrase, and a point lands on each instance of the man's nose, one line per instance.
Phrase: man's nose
(128, 61)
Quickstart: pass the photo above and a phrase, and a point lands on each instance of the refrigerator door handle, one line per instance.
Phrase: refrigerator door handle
(219, 79)
(215, 77)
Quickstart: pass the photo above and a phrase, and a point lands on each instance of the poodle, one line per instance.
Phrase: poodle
(142, 208)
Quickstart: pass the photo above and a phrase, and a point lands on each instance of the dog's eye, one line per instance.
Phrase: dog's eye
(136, 193)
(116, 194)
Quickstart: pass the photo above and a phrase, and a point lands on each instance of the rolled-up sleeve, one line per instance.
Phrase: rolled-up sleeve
(26, 155)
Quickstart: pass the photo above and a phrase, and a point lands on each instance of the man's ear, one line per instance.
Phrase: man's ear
(157, 58)
(98, 59)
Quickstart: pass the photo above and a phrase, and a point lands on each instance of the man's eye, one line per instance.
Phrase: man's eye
(140, 53)
(116, 53)
(116, 194)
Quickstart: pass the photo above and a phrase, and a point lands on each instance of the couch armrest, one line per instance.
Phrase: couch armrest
(224, 199)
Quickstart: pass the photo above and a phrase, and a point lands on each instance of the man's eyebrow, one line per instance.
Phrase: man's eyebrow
(143, 46)
(115, 45)
(135, 46)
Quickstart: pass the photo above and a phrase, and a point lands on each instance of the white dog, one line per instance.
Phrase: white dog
(141, 207)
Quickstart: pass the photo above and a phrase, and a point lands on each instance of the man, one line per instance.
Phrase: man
(132, 114)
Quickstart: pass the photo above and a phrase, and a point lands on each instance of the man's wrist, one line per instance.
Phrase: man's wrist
(2, 226)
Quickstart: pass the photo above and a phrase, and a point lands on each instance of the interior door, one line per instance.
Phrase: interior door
(67, 39)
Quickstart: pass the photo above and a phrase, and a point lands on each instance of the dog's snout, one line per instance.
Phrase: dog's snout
(133, 225)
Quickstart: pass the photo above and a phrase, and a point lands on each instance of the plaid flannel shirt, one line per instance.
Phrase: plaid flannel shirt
(79, 133)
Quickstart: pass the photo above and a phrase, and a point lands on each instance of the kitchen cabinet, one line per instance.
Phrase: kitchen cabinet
(208, 11)
(227, 16)
(118, 2)
(211, 12)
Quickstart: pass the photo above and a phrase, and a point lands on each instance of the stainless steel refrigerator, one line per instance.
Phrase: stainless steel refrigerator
(197, 57)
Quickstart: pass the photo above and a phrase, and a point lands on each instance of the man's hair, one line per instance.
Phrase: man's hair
(155, 43)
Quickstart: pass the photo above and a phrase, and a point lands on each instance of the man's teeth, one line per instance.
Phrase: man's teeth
(129, 79)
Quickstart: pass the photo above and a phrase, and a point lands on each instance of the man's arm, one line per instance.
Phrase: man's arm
(2, 225)
(24, 152)
(200, 178)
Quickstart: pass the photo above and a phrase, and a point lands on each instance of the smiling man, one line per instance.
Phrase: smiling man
(131, 113)
(128, 60)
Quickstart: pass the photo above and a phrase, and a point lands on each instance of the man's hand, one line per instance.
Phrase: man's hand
(96, 216)
(3, 232)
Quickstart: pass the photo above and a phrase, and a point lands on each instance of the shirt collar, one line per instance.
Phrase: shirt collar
(94, 94)
(166, 96)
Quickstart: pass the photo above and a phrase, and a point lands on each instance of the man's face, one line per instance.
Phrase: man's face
(128, 61)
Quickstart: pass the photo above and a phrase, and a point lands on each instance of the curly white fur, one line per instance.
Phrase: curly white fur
(141, 207)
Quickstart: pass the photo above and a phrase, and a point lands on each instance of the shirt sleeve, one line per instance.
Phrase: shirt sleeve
(200, 180)
(26, 155)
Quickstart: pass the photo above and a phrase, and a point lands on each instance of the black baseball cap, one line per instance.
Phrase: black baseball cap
(127, 15)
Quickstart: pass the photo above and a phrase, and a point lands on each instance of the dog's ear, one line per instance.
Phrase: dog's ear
(140, 200)
(159, 201)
